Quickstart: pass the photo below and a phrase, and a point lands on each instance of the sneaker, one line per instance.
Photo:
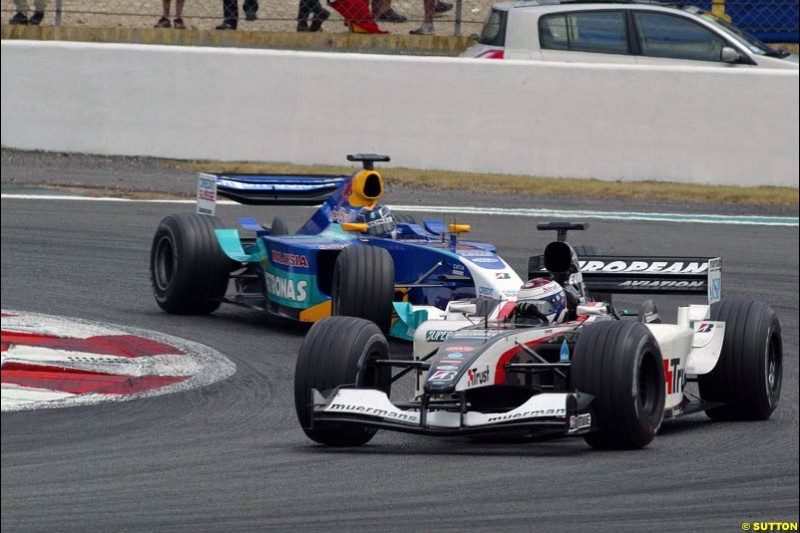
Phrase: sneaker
(425, 29)
(19, 18)
(443, 7)
(179, 24)
(36, 18)
(390, 15)
(302, 25)
(163, 22)
(319, 18)
(226, 25)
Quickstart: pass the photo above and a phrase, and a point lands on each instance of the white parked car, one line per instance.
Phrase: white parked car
(628, 33)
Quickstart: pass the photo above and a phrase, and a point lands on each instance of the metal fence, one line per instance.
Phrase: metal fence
(770, 20)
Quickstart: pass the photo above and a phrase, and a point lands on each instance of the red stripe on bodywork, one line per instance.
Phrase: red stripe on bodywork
(6, 315)
(117, 345)
(500, 371)
(80, 382)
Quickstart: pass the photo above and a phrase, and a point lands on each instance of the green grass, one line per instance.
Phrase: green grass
(525, 185)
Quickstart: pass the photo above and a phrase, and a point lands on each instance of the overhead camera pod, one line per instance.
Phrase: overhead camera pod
(368, 160)
(562, 228)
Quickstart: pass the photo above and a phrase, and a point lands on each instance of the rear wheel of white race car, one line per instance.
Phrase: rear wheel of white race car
(619, 363)
(338, 351)
(748, 376)
(363, 285)
(188, 269)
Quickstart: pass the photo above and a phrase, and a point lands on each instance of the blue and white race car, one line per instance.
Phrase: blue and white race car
(554, 362)
(352, 257)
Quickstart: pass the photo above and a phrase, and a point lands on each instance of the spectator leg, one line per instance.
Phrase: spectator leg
(230, 11)
(250, 6)
(380, 6)
(430, 10)
(22, 6)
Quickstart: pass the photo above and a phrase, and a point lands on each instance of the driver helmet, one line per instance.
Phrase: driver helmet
(544, 298)
(379, 220)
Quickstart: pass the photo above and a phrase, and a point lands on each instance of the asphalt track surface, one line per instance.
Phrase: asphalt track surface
(232, 457)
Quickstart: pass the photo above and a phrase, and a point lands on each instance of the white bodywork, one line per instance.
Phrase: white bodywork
(374, 403)
(689, 348)
(501, 283)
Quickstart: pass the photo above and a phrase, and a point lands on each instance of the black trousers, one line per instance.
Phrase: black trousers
(230, 9)
(308, 7)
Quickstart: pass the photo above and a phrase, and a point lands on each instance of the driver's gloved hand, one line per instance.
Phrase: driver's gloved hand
(527, 309)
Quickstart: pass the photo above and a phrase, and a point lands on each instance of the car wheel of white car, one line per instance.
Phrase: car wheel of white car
(749, 373)
(620, 364)
(337, 351)
(188, 269)
(363, 285)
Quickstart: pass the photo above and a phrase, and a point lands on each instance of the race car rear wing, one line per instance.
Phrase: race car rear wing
(265, 189)
(652, 275)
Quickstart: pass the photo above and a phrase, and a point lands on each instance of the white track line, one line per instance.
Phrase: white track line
(752, 220)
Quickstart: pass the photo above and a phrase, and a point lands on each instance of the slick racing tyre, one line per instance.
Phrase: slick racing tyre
(337, 351)
(188, 269)
(402, 218)
(582, 250)
(363, 285)
(620, 364)
(748, 376)
(278, 227)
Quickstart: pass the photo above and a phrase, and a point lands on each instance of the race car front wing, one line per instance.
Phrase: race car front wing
(552, 413)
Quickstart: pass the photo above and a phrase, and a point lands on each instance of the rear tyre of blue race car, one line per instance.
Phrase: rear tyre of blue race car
(748, 376)
(363, 285)
(338, 351)
(278, 227)
(402, 218)
(188, 269)
(620, 364)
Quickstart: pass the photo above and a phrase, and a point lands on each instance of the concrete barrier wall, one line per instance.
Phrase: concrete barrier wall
(699, 125)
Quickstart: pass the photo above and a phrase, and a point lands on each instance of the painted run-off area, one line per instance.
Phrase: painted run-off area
(50, 361)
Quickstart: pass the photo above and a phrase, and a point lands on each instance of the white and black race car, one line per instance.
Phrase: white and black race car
(609, 378)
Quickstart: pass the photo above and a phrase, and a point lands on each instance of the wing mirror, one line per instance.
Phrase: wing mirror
(359, 227)
(729, 55)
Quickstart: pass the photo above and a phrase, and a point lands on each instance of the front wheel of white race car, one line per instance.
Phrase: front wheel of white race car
(620, 364)
(337, 351)
(748, 376)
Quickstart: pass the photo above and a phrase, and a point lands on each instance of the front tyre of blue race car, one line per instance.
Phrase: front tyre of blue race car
(620, 364)
(363, 285)
(188, 269)
(338, 351)
(748, 376)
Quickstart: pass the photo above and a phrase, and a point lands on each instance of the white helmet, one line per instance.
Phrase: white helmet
(543, 298)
